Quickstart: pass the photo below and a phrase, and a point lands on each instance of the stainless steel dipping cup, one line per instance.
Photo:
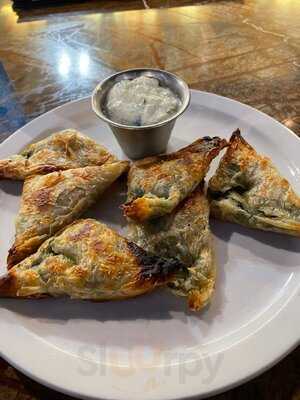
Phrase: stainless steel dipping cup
(142, 141)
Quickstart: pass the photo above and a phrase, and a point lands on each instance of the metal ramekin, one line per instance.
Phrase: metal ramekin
(141, 141)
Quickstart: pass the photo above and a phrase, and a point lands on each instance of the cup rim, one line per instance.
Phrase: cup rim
(98, 111)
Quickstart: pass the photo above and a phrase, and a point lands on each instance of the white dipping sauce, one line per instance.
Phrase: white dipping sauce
(140, 101)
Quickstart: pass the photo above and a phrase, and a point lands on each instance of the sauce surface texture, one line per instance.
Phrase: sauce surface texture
(140, 101)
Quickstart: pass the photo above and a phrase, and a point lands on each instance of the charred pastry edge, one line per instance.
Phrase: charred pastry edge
(219, 144)
(154, 267)
(235, 140)
(8, 287)
(18, 252)
(137, 211)
(14, 256)
(237, 136)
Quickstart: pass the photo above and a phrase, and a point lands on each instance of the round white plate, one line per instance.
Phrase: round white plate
(152, 347)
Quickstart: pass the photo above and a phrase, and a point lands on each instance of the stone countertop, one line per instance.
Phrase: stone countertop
(248, 50)
(245, 49)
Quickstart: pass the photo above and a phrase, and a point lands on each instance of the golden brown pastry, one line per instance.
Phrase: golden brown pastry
(50, 202)
(156, 185)
(184, 234)
(87, 260)
(248, 189)
(60, 151)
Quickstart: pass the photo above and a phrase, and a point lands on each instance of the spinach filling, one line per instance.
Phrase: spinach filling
(37, 262)
(271, 209)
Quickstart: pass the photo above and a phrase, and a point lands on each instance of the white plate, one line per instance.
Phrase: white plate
(151, 347)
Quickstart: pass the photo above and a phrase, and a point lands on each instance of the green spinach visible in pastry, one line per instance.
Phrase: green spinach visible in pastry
(248, 189)
(60, 151)
(184, 234)
(156, 185)
(87, 260)
(50, 202)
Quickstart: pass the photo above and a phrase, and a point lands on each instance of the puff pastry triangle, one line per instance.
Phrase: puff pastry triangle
(248, 189)
(87, 260)
(60, 151)
(50, 202)
(156, 185)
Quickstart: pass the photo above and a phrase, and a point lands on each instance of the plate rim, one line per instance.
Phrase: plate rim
(281, 315)
(193, 92)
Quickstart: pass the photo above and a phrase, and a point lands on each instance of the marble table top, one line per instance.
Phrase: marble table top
(248, 50)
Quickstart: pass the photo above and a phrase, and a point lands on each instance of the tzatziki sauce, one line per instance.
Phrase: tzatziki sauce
(140, 101)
